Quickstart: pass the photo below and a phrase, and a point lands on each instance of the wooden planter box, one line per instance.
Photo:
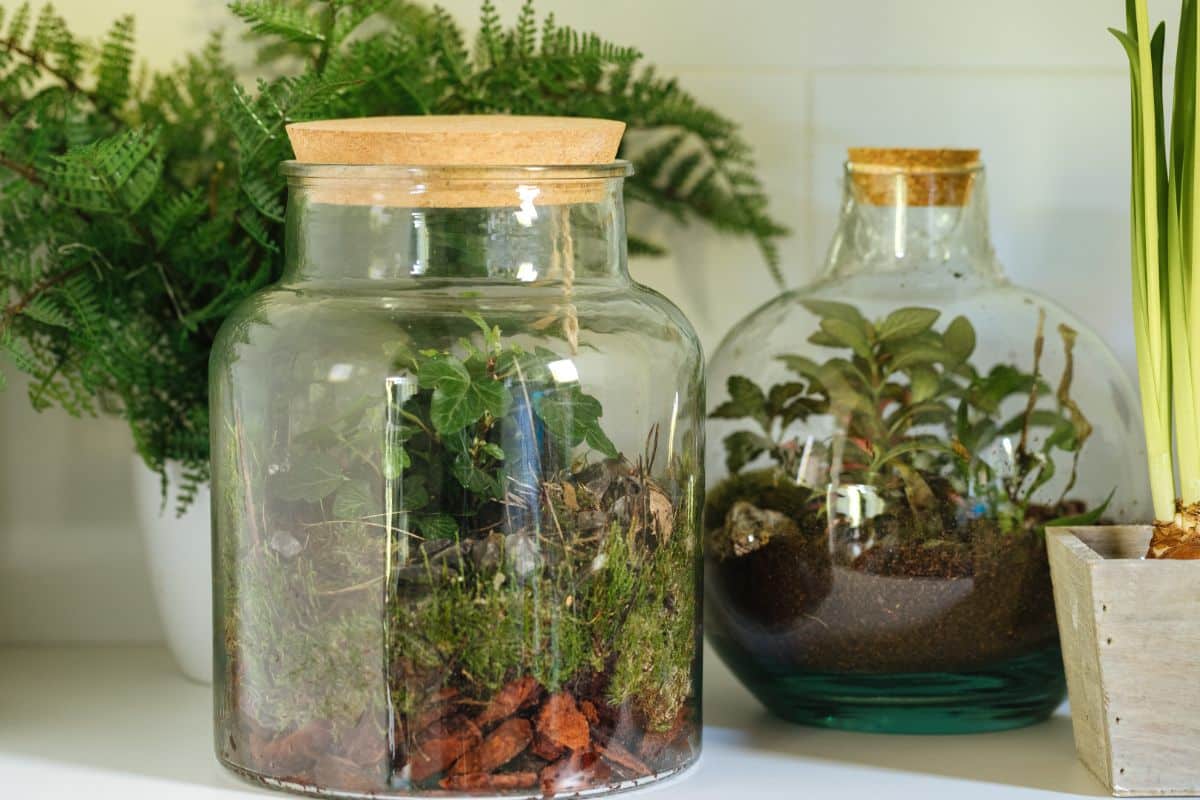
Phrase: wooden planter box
(1130, 632)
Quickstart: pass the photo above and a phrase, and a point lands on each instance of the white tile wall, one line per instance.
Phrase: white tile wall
(1038, 85)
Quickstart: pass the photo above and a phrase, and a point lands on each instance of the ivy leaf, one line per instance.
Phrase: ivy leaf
(742, 447)
(352, 500)
(599, 441)
(959, 339)
(414, 495)
(436, 526)
(458, 400)
(311, 480)
(906, 322)
(494, 450)
(473, 479)
(745, 400)
(395, 461)
(573, 417)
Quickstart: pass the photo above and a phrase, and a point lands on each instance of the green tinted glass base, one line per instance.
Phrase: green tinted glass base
(1009, 694)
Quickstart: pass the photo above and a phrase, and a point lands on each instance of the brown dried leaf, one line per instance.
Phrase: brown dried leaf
(501, 746)
(561, 723)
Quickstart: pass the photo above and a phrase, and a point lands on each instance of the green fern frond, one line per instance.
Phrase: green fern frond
(279, 19)
(114, 84)
(115, 175)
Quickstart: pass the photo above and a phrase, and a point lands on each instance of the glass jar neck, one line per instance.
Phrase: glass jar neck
(895, 220)
(403, 229)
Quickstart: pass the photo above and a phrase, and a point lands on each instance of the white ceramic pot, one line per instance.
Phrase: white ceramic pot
(179, 556)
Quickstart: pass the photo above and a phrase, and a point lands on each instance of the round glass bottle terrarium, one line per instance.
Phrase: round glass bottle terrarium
(457, 461)
(890, 444)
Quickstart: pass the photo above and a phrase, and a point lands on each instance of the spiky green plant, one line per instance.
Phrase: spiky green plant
(1166, 292)
(136, 213)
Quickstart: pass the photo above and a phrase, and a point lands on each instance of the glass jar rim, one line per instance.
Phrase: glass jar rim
(857, 168)
(453, 172)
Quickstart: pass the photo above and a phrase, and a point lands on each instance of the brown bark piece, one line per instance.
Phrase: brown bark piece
(436, 753)
(544, 748)
(501, 746)
(294, 751)
(574, 773)
(366, 745)
(477, 781)
(654, 742)
(343, 775)
(510, 699)
(440, 706)
(624, 759)
(588, 709)
(560, 721)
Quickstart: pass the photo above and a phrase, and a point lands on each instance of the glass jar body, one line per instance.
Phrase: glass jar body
(892, 442)
(456, 519)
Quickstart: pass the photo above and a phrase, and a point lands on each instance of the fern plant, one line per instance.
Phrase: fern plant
(137, 210)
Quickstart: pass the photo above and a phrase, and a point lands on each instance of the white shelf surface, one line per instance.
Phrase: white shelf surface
(120, 722)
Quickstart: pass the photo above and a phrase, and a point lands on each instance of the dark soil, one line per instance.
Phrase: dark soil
(805, 598)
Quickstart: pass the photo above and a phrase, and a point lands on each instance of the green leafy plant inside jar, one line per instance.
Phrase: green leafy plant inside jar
(518, 612)
(916, 467)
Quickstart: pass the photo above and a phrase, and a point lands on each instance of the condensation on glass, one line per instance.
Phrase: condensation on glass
(457, 483)
(890, 443)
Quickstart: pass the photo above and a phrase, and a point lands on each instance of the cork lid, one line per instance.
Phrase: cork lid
(460, 156)
(479, 140)
(915, 177)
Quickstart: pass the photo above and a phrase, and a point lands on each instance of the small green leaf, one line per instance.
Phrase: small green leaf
(830, 309)
(494, 450)
(1090, 517)
(959, 339)
(847, 335)
(745, 400)
(924, 382)
(905, 322)
(804, 367)
(742, 447)
(911, 357)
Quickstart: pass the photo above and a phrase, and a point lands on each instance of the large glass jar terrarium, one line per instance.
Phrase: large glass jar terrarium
(891, 442)
(457, 462)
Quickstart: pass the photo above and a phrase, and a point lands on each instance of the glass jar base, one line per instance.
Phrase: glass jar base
(294, 787)
(1011, 694)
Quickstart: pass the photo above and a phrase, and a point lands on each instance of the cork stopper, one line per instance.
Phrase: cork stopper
(914, 177)
(460, 143)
